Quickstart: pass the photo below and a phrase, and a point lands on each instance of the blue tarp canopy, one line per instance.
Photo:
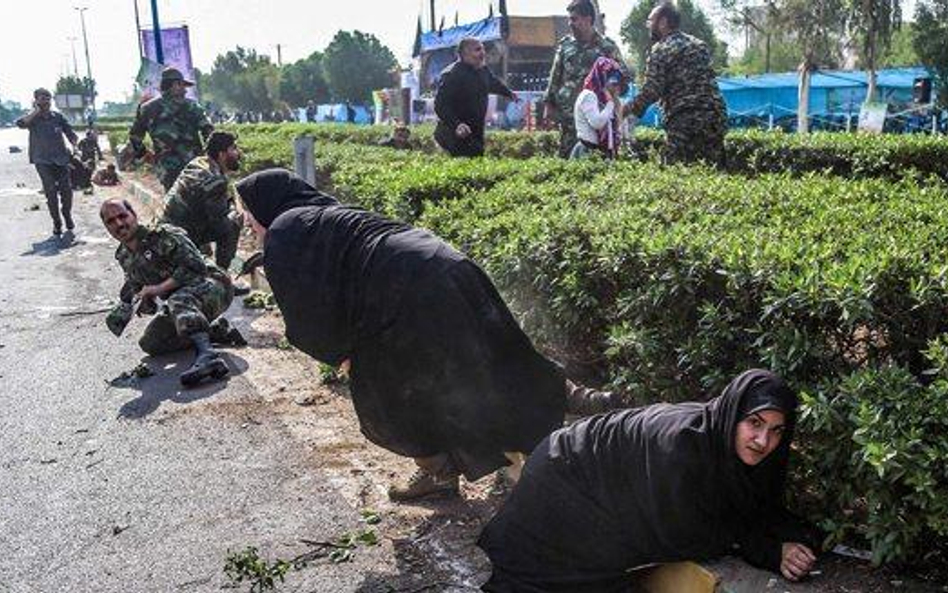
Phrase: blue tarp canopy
(831, 91)
(488, 29)
(838, 93)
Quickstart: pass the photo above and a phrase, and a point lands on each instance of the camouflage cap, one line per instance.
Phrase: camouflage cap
(174, 75)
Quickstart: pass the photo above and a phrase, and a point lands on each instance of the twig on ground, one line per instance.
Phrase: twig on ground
(84, 313)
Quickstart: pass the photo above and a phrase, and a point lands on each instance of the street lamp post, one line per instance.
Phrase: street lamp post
(85, 42)
(75, 62)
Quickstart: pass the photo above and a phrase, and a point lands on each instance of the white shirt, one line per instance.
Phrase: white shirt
(589, 119)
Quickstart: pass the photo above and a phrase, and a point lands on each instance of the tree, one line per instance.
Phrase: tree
(817, 26)
(931, 42)
(355, 64)
(73, 85)
(245, 80)
(303, 81)
(872, 23)
(10, 111)
(901, 50)
(693, 21)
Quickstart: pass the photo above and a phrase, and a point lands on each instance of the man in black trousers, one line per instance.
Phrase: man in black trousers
(49, 154)
(461, 102)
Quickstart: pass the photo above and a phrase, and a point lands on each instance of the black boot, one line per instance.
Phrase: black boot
(223, 333)
(207, 362)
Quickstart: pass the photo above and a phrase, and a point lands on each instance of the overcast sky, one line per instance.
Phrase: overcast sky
(35, 48)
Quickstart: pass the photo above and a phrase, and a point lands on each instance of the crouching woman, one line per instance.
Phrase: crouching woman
(663, 483)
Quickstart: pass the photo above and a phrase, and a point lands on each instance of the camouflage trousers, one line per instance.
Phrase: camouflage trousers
(567, 136)
(225, 245)
(187, 311)
(695, 136)
(168, 169)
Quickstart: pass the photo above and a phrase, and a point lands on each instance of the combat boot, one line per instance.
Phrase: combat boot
(424, 483)
(207, 362)
(223, 333)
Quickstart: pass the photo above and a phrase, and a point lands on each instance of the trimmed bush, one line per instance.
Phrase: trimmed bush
(666, 282)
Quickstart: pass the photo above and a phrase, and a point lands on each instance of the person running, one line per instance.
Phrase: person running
(49, 155)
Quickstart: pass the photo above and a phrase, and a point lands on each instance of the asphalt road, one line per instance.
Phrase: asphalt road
(145, 488)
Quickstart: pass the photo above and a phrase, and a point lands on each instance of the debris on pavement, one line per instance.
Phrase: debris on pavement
(131, 378)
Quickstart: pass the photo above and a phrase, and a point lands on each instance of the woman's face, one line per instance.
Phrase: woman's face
(758, 434)
(258, 229)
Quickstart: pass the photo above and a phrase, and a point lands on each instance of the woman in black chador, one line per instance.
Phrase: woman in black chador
(663, 483)
(440, 370)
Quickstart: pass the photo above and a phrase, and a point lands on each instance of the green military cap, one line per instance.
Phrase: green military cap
(174, 75)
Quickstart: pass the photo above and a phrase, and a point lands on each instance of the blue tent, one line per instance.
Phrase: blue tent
(834, 94)
(337, 112)
(489, 29)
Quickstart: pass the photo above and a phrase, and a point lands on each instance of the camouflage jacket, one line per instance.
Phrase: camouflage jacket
(679, 74)
(164, 252)
(175, 127)
(200, 201)
(571, 65)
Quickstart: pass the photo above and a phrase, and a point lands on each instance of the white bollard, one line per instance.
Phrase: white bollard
(304, 158)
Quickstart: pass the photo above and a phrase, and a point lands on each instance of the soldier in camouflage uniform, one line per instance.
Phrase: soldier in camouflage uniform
(201, 201)
(160, 262)
(175, 125)
(574, 57)
(680, 76)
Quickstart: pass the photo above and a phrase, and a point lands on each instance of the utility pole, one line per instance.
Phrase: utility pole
(85, 41)
(279, 55)
(434, 24)
(138, 31)
(75, 62)
(156, 26)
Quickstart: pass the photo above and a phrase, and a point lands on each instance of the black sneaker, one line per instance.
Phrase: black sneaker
(57, 231)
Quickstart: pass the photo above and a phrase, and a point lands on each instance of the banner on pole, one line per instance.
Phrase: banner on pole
(176, 47)
(149, 78)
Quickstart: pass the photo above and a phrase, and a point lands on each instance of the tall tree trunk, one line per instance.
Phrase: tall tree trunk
(871, 61)
(803, 96)
(872, 83)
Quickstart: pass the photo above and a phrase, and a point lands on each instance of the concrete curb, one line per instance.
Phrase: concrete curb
(152, 202)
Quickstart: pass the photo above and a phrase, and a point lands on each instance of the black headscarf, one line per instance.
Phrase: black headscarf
(269, 193)
(655, 484)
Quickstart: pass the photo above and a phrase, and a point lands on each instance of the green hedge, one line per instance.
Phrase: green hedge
(749, 152)
(665, 282)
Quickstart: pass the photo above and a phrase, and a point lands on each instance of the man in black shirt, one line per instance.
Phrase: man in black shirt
(49, 154)
(461, 101)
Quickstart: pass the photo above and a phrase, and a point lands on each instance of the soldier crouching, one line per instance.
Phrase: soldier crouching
(160, 262)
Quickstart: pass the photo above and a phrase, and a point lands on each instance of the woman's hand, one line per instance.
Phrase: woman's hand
(796, 561)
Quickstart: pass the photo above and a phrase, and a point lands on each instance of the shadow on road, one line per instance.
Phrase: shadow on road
(440, 553)
(53, 245)
(165, 386)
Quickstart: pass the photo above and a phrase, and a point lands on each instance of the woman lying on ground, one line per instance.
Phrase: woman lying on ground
(440, 370)
(597, 112)
(658, 484)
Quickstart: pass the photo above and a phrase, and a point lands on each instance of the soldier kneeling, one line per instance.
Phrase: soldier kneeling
(160, 262)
